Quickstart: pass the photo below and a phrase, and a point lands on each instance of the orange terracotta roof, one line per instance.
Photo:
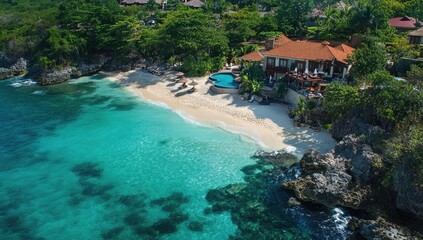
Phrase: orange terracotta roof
(345, 48)
(311, 51)
(282, 40)
(253, 56)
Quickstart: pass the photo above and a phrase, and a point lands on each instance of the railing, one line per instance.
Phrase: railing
(277, 69)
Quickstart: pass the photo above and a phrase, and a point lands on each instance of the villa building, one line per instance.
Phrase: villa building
(416, 37)
(162, 3)
(405, 23)
(307, 57)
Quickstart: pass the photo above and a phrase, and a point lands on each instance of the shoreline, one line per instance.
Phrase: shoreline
(267, 125)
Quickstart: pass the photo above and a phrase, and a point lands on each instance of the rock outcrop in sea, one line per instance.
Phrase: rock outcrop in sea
(380, 229)
(351, 176)
(341, 177)
(10, 67)
(55, 76)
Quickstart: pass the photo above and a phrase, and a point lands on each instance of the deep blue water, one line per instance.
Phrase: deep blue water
(87, 160)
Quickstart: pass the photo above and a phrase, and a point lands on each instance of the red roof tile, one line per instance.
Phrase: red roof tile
(253, 56)
(311, 51)
(403, 22)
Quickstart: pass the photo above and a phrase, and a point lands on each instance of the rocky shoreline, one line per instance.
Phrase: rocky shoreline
(11, 67)
(350, 176)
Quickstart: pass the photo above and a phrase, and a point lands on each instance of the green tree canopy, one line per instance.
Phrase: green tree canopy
(368, 58)
(292, 16)
(340, 98)
(241, 26)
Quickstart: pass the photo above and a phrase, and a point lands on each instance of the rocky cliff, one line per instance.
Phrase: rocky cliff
(10, 67)
(55, 76)
(409, 196)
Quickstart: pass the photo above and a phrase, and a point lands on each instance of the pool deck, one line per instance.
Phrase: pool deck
(219, 90)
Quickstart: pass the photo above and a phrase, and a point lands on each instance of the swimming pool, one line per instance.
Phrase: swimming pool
(224, 80)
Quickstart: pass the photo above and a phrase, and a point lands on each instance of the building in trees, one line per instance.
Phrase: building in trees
(306, 56)
(405, 23)
(416, 37)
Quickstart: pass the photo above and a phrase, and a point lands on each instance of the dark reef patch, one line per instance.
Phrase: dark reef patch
(133, 219)
(260, 210)
(178, 217)
(164, 141)
(134, 201)
(165, 226)
(171, 207)
(195, 226)
(112, 233)
(147, 231)
(173, 201)
(92, 189)
(88, 169)
(97, 100)
(122, 105)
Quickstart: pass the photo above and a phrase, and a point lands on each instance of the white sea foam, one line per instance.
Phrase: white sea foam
(23, 83)
(39, 92)
(340, 219)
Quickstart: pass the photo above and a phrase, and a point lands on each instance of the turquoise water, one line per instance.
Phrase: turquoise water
(129, 148)
(224, 80)
(87, 160)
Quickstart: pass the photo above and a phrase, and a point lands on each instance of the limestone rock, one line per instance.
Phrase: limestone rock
(278, 158)
(339, 177)
(381, 229)
(54, 76)
(409, 196)
(353, 124)
(10, 67)
(315, 162)
(293, 202)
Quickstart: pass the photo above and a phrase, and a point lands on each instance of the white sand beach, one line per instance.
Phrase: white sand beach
(268, 125)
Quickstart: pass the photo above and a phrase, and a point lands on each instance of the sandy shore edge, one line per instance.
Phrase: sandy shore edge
(268, 125)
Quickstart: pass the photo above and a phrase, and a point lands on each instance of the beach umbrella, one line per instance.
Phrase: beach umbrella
(183, 80)
(193, 83)
(179, 74)
(315, 71)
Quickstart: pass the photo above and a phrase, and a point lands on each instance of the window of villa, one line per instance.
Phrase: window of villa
(283, 62)
(270, 61)
(301, 66)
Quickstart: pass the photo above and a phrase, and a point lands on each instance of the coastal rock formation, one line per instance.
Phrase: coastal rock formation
(340, 177)
(409, 196)
(354, 125)
(10, 67)
(54, 76)
(380, 229)
(277, 158)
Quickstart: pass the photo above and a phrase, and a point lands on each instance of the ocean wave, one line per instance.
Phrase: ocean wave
(23, 82)
(39, 92)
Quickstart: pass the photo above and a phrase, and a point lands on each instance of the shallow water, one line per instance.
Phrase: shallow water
(87, 160)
